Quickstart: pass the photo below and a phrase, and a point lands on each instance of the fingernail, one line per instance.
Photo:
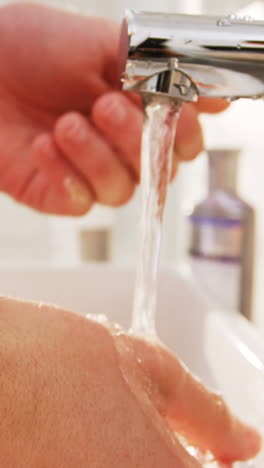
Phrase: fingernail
(113, 109)
(74, 129)
(79, 195)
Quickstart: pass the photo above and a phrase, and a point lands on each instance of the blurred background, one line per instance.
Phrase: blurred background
(106, 235)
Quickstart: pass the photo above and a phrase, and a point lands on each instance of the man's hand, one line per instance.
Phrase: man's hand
(68, 137)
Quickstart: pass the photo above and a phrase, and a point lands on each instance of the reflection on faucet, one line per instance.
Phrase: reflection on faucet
(170, 82)
(222, 57)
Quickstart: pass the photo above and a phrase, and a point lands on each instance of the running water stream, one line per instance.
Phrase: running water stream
(161, 117)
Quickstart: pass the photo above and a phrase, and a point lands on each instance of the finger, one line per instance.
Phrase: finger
(41, 196)
(28, 184)
(16, 177)
(211, 105)
(200, 415)
(136, 98)
(189, 137)
(203, 417)
(67, 194)
(86, 150)
(121, 122)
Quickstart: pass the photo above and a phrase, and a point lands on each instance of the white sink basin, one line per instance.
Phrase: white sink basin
(221, 348)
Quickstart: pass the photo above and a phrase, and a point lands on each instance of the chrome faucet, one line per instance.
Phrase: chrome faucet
(186, 56)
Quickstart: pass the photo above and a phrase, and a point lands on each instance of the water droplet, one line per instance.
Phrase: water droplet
(239, 46)
(233, 17)
(224, 22)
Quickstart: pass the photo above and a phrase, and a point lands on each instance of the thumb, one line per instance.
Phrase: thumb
(201, 416)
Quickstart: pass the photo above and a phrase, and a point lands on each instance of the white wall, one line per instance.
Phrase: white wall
(115, 8)
(222, 7)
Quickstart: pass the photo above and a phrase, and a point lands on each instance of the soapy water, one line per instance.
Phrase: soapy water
(161, 116)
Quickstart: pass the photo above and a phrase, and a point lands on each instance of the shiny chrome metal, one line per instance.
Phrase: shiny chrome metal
(220, 57)
(170, 82)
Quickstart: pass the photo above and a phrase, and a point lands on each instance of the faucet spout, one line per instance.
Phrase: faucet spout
(169, 83)
(212, 56)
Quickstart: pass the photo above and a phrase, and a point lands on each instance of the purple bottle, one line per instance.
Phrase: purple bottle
(222, 237)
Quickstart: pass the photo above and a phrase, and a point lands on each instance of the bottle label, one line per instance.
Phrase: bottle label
(217, 238)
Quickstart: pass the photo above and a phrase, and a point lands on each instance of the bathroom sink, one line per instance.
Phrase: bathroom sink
(220, 347)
